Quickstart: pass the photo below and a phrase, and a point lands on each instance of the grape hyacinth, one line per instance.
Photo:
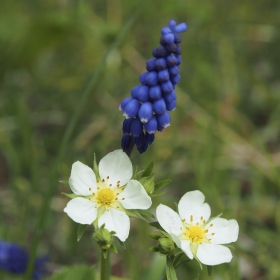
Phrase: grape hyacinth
(146, 111)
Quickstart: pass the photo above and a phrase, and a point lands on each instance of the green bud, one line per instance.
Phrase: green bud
(154, 236)
(166, 245)
(153, 249)
(103, 237)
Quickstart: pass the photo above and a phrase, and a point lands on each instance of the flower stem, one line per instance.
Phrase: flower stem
(105, 267)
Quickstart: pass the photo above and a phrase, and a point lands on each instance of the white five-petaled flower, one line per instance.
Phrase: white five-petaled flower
(107, 198)
(196, 234)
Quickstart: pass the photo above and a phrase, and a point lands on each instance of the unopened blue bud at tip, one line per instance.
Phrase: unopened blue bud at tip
(159, 106)
(124, 103)
(145, 112)
(142, 78)
(134, 91)
(155, 92)
(152, 125)
(143, 93)
(163, 75)
(182, 27)
(169, 38)
(171, 106)
(152, 78)
(170, 97)
(167, 87)
(163, 119)
(165, 30)
(172, 24)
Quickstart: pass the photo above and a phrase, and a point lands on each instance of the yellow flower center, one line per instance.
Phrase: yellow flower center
(195, 234)
(105, 197)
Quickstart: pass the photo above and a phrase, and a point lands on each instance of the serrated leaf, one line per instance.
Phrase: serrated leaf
(162, 184)
(65, 182)
(209, 270)
(157, 194)
(95, 168)
(148, 183)
(81, 230)
(81, 272)
(135, 214)
(70, 195)
(170, 271)
(148, 171)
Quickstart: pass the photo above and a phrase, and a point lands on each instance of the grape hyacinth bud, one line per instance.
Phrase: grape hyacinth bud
(146, 111)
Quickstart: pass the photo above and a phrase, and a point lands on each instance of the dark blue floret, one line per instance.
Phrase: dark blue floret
(147, 108)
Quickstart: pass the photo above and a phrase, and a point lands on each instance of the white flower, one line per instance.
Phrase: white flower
(107, 198)
(196, 234)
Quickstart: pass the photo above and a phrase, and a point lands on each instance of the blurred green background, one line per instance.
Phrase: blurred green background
(224, 137)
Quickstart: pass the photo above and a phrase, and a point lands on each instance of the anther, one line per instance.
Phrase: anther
(118, 182)
(89, 189)
(204, 221)
(211, 225)
(201, 218)
(110, 185)
(206, 230)
(183, 220)
(123, 198)
(213, 233)
(107, 177)
(97, 181)
(191, 218)
(197, 224)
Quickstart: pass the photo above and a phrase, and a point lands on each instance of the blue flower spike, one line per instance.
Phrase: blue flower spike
(146, 110)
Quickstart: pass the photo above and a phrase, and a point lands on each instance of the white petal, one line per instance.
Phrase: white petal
(169, 219)
(211, 254)
(183, 244)
(81, 210)
(117, 166)
(117, 221)
(135, 196)
(82, 178)
(191, 204)
(226, 231)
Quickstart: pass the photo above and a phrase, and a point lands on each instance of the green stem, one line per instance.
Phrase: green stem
(42, 217)
(105, 266)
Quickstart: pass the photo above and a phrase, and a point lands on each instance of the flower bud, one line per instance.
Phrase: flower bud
(160, 63)
(163, 119)
(149, 138)
(169, 38)
(155, 92)
(103, 237)
(136, 127)
(151, 64)
(182, 27)
(143, 93)
(142, 78)
(167, 87)
(172, 24)
(131, 108)
(152, 78)
(174, 70)
(145, 112)
(160, 52)
(159, 106)
(171, 60)
(134, 91)
(170, 97)
(171, 106)
(126, 125)
(165, 30)
(175, 79)
(171, 47)
(125, 102)
(166, 245)
(151, 126)
(126, 141)
(163, 75)
(177, 39)
(179, 58)
(178, 50)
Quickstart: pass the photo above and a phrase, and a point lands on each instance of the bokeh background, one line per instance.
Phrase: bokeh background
(224, 137)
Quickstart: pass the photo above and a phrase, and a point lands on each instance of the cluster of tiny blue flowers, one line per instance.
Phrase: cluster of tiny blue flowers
(14, 259)
(146, 111)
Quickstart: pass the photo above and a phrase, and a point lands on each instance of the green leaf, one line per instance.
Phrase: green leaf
(70, 195)
(157, 194)
(135, 214)
(95, 168)
(170, 271)
(162, 184)
(81, 231)
(148, 183)
(209, 270)
(65, 182)
(146, 213)
(148, 171)
(81, 272)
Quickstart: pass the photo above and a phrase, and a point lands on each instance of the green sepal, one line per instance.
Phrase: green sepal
(135, 173)
(162, 184)
(177, 251)
(148, 183)
(176, 206)
(156, 225)
(122, 243)
(114, 248)
(157, 194)
(81, 231)
(155, 236)
(146, 213)
(70, 195)
(209, 270)
(153, 249)
(170, 271)
(65, 182)
(148, 171)
(95, 168)
(135, 214)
